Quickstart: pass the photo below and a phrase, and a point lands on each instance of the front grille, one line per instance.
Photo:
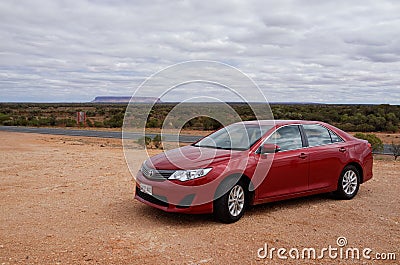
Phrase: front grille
(156, 199)
(156, 174)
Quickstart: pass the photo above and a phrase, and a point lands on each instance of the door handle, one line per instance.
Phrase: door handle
(342, 149)
(302, 156)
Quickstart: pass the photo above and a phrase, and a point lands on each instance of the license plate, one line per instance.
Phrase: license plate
(146, 188)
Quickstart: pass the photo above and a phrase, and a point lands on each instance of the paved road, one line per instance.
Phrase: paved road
(100, 134)
(387, 150)
(118, 135)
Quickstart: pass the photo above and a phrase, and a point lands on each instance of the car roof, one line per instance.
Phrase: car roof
(279, 122)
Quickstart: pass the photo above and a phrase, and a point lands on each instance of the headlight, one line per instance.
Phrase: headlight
(184, 175)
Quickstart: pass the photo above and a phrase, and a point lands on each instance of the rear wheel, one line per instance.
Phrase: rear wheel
(349, 183)
(230, 207)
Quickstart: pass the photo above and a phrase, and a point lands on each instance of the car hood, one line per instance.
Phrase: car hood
(191, 157)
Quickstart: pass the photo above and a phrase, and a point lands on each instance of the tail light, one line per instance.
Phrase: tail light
(369, 145)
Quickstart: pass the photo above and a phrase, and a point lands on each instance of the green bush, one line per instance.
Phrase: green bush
(144, 141)
(3, 118)
(89, 122)
(395, 148)
(19, 121)
(115, 121)
(376, 143)
(153, 123)
(66, 122)
(98, 124)
(157, 141)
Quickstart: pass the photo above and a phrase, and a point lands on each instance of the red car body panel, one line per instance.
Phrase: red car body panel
(294, 173)
(287, 175)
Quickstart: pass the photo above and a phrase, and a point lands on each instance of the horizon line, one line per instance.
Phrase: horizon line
(201, 102)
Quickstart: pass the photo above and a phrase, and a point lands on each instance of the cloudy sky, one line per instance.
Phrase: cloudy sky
(303, 51)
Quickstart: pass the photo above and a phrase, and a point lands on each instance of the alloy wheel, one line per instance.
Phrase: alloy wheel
(236, 200)
(349, 182)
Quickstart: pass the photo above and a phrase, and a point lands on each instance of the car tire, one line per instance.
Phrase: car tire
(231, 206)
(348, 184)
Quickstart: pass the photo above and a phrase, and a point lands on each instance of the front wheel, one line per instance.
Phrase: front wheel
(349, 183)
(231, 206)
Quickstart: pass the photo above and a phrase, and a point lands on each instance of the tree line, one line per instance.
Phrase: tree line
(361, 118)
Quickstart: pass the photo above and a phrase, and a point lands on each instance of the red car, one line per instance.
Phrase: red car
(254, 162)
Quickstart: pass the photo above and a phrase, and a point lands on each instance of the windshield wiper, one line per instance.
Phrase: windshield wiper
(220, 147)
(239, 148)
(209, 146)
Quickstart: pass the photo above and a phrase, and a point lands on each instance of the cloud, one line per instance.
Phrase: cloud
(340, 51)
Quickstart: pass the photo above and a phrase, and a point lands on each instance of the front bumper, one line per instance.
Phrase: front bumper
(169, 196)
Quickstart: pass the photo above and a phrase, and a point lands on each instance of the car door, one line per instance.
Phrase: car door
(327, 153)
(289, 170)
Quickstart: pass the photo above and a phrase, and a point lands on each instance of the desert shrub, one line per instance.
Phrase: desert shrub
(17, 121)
(89, 122)
(395, 148)
(157, 141)
(66, 122)
(90, 113)
(3, 118)
(347, 126)
(390, 127)
(98, 124)
(115, 121)
(211, 124)
(52, 120)
(144, 141)
(153, 123)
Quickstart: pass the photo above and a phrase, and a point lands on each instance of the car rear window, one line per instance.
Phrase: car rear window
(335, 138)
(317, 135)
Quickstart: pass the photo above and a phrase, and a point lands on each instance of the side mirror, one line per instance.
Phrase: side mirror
(269, 148)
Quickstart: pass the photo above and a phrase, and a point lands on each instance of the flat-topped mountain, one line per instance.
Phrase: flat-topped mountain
(116, 99)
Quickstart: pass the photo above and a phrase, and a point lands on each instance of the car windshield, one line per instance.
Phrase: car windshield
(237, 136)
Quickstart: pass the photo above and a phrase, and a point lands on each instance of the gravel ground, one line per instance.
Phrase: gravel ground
(69, 200)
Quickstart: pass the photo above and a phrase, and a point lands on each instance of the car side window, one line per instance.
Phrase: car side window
(335, 138)
(317, 135)
(287, 138)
